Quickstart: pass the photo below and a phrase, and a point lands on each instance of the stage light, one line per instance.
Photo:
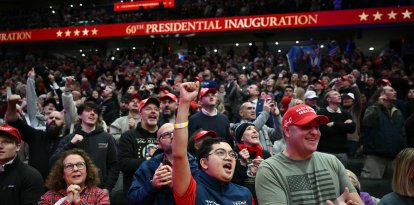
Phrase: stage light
(80, 50)
(237, 44)
(371, 48)
(297, 42)
(277, 43)
(133, 48)
(83, 55)
(215, 50)
(250, 44)
(117, 49)
(322, 46)
(279, 51)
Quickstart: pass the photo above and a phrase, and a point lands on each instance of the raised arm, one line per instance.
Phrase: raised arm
(68, 103)
(181, 167)
(31, 96)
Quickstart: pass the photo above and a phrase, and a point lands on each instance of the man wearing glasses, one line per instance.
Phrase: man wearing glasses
(139, 144)
(216, 159)
(152, 182)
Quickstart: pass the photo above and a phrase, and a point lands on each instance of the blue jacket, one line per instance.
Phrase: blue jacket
(217, 192)
(142, 192)
(384, 131)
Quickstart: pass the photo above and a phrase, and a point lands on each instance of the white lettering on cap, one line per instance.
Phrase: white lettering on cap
(288, 121)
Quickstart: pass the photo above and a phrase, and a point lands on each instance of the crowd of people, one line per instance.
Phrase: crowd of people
(93, 14)
(148, 127)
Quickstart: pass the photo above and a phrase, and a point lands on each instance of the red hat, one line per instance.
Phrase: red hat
(320, 82)
(204, 133)
(285, 102)
(134, 96)
(204, 91)
(384, 82)
(147, 101)
(346, 78)
(169, 95)
(193, 105)
(301, 115)
(10, 131)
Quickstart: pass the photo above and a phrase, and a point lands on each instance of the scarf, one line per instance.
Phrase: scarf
(253, 150)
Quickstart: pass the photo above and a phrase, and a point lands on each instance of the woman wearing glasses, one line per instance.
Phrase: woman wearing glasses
(73, 180)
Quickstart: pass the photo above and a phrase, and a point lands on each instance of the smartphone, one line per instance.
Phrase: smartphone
(269, 97)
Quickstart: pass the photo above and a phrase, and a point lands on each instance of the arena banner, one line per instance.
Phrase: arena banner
(240, 23)
(134, 6)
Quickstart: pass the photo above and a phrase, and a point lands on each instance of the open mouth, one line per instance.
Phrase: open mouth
(76, 176)
(228, 167)
(312, 139)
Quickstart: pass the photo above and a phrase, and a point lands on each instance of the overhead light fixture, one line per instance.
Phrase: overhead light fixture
(83, 55)
(322, 46)
(277, 43)
(71, 6)
(80, 4)
(215, 50)
(371, 48)
(133, 48)
(53, 11)
(279, 51)
(237, 44)
(250, 44)
(80, 50)
(297, 42)
(117, 49)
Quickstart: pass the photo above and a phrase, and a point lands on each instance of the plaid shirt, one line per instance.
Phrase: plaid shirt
(87, 196)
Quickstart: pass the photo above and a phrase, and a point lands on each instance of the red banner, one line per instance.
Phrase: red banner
(268, 22)
(133, 6)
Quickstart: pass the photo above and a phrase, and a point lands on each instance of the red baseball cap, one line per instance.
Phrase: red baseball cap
(147, 101)
(204, 133)
(134, 96)
(384, 82)
(169, 95)
(10, 131)
(204, 91)
(301, 115)
(346, 78)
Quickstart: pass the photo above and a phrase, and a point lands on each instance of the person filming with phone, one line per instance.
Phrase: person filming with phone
(267, 135)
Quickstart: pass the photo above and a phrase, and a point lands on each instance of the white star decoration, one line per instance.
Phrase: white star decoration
(85, 32)
(363, 16)
(67, 33)
(73, 33)
(59, 33)
(392, 15)
(377, 16)
(406, 14)
(94, 31)
(76, 32)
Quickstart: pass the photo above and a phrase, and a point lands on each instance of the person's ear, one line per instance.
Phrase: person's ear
(286, 132)
(203, 163)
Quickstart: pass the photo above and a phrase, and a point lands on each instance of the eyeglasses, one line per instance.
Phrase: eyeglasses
(166, 135)
(222, 153)
(71, 167)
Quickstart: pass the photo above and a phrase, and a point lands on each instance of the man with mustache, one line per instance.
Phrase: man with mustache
(42, 144)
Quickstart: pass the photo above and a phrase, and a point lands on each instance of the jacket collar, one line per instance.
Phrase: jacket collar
(212, 182)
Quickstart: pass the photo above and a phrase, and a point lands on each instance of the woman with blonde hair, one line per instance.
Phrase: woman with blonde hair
(402, 180)
(73, 180)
